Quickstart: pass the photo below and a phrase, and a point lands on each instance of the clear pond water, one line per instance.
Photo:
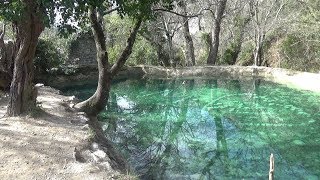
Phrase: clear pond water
(213, 129)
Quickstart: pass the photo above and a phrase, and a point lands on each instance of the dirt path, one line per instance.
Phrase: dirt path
(53, 145)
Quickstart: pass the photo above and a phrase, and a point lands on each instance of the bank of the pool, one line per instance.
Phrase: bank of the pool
(293, 79)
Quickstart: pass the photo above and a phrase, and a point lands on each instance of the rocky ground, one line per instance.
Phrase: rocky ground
(52, 142)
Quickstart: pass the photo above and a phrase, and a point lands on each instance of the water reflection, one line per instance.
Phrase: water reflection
(214, 129)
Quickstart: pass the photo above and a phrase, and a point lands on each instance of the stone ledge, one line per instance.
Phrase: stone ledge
(295, 79)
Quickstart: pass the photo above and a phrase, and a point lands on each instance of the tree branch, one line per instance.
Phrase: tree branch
(127, 51)
(3, 31)
(176, 13)
(110, 10)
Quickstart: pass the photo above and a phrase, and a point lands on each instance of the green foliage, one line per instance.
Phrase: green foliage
(143, 53)
(47, 57)
(76, 10)
(136, 8)
(11, 10)
(53, 52)
(62, 44)
(206, 38)
(300, 53)
(179, 57)
(291, 45)
(119, 29)
(203, 57)
(204, 52)
(246, 54)
(228, 55)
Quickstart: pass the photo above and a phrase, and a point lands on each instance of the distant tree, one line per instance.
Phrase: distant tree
(236, 21)
(218, 15)
(265, 18)
(190, 56)
(161, 32)
(153, 32)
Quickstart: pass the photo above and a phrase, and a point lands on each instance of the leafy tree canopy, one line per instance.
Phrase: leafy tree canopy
(63, 12)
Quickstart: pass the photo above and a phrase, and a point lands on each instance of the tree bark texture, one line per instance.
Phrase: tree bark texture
(6, 60)
(97, 102)
(190, 57)
(22, 97)
(214, 48)
(171, 48)
(258, 51)
(169, 40)
(2, 50)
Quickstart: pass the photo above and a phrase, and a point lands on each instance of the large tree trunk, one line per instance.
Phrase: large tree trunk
(22, 97)
(214, 48)
(97, 102)
(190, 57)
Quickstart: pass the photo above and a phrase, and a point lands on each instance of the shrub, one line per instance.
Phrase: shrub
(246, 56)
(228, 55)
(299, 53)
(47, 57)
(143, 53)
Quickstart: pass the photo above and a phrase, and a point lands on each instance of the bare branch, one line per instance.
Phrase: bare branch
(176, 13)
(110, 10)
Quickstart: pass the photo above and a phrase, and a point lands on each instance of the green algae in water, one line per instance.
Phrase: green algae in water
(213, 129)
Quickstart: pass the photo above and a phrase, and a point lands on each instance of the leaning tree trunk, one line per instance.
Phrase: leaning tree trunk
(22, 97)
(97, 102)
(214, 49)
(190, 57)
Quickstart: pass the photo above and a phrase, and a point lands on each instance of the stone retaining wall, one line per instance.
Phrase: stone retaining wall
(82, 52)
(295, 79)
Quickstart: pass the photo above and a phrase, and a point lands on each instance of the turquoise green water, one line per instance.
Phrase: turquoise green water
(213, 129)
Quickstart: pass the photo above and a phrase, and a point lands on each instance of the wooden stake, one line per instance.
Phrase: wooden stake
(271, 171)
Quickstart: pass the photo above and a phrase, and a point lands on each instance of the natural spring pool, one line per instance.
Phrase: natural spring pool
(212, 129)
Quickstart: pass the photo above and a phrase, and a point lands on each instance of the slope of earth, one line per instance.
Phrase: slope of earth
(52, 143)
